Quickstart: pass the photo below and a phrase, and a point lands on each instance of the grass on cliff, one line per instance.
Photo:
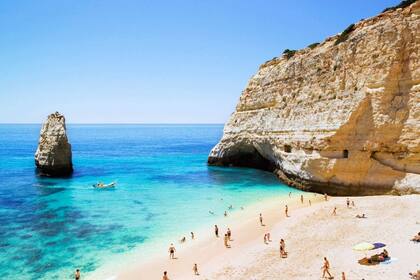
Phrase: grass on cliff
(345, 34)
(312, 46)
(403, 4)
(289, 53)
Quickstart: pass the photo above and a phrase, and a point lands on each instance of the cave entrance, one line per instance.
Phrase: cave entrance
(345, 153)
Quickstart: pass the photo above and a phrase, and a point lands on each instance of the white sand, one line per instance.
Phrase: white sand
(310, 234)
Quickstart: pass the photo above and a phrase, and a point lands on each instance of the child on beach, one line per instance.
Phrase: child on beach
(172, 251)
(195, 269)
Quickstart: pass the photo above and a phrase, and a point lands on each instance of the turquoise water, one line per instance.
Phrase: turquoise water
(48, 227)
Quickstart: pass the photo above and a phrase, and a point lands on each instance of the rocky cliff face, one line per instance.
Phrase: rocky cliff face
(53, 156)
(342, 117)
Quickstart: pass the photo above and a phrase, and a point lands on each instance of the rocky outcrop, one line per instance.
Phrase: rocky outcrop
(53, 156)
(341, 117)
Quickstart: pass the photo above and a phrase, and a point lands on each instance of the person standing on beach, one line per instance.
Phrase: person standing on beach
(343, 276)
(225, 214)
(325, 268)
(326, 196)
(310, 202)
(301, 198)
(225, 240)
(216, 230)
(348, 202)
(192, 235)
(172, 251)
(229, 234)
(286, 211)
(290, 194)
(77, 274)
(334, 211)
(283, 252)
(195, 269)
(165, 275)
(261, 219)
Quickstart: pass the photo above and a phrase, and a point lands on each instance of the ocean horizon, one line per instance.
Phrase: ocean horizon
(51, 226)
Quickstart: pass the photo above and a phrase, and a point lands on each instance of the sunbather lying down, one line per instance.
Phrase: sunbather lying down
(416, 238)
(361, 216)
(415, 275)
(379, 257)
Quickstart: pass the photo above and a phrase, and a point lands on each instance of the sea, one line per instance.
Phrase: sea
(164, 188)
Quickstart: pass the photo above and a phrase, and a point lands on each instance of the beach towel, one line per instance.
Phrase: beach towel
(389, 260)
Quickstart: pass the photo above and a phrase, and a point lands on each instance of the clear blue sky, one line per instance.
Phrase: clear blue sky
(150, 61)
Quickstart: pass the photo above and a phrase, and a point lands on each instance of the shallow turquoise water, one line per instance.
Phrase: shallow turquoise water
(48, 227)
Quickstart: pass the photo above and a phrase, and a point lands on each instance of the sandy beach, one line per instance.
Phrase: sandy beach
(310, 233)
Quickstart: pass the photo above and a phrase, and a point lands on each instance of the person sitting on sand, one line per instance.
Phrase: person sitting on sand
(261, 219)
(334, 211)
(361, 216)
(286, 211)
(283, 252)
(216, 230)
(183, 239)
(416, 238)
(165, 276)
(77, 274)
(195, 269)
(229, 234)
(192, 235)
(172, 251)
(326, 268)
(225, 240)
(415, 275)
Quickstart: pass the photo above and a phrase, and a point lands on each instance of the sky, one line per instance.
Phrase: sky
(130, 61)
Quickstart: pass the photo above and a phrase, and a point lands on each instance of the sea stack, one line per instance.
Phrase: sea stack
(341, 116)
(53, 156)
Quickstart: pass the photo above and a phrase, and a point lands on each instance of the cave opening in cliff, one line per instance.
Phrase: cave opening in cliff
(346, 154)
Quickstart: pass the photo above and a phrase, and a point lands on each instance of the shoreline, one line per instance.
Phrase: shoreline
(323, 234)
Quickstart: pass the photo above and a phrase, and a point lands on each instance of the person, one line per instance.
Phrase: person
(226, 238)
(216, 230)
(326, 268)
(230, 207)
(348, 202)
(352, 203)
(415, 275)
(77, 274)
(290, 194)
(283, 252)
(334, 211)
(195, 269)
(225, 214)
(192, 235)
(286, 211)
(183, 239)
(268, 237)
(416, 238)
(301, 198)
(172, 251)
(325, 196)
(343, 276)
(361, 216)
(165, 275)
(261, 219)
(265, 238)
(229, 234)
(310, 202)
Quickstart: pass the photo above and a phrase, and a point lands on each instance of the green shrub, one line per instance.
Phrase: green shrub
(345, 34)
(403, 4)
(311, 46)
(289, 53)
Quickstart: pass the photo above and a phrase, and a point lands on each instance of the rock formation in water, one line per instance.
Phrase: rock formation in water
(53, 156)
(341, 117)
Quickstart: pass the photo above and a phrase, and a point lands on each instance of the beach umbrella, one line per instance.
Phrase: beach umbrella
(378, 245)
(364, 246)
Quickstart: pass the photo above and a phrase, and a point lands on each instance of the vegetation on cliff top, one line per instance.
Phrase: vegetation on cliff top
(345, 34)
(289, 53)
(403, 4)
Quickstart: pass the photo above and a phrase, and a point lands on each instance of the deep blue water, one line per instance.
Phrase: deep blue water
(48, 227)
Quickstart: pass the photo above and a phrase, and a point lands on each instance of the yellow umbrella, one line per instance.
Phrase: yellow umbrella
(364, 246)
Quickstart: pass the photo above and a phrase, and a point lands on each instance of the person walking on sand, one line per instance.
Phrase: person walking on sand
(348, 202)
(326, 268)
(192, 235)
(301, 198)
(172, 251)
(352, 203)
(265, 239)
(286, 211)
(261, 219)
(229, 234)
(225, 240)
(165, 275)
(77, 274)
(195, 269)
(325, 196)
(216, 230)
(268, 237)
(334, 211)
(283, 253)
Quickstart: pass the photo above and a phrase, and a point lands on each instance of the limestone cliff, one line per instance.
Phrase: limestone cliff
(341, 117)
(53, 156)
